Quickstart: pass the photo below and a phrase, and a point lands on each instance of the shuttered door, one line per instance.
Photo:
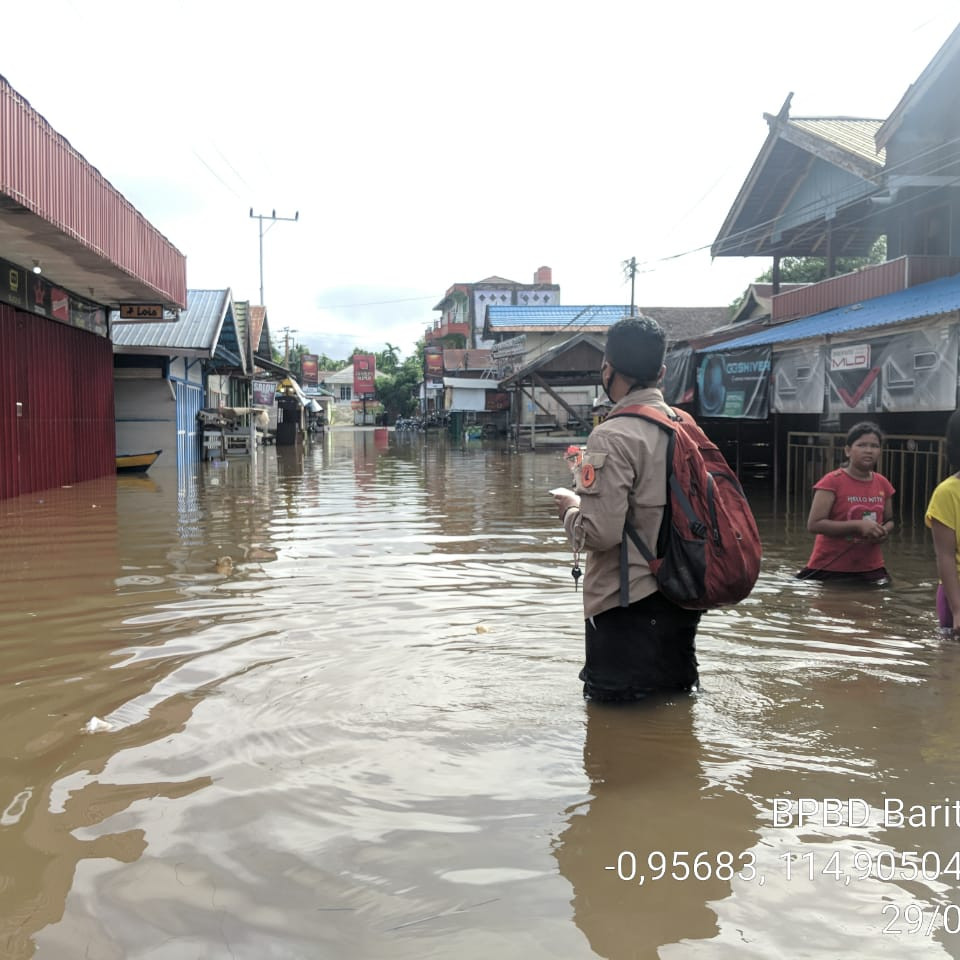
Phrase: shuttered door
(56, 404)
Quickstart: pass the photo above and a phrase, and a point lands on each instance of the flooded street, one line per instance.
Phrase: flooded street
(345, 722)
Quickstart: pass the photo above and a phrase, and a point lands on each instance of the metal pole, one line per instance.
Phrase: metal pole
(253, 422)
(260, 218)
(273, 216)
(776, 460)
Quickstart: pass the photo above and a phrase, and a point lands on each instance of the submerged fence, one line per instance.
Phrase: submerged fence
(914, 465)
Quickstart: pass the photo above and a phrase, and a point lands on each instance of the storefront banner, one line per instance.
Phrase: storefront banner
(434, 361)
(919, 370)
(798, 380)
(310, 369)
(903, 372)
(88, 316)
(735, 384)
(264, 392)
(30, 291)
(496, 400)
(13, 284)
(680, 379)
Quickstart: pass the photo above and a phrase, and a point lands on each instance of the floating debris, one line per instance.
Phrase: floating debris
(96, 725)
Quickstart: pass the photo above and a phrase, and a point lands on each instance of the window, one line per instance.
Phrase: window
(345, 391)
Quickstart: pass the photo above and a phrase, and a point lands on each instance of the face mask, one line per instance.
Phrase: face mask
(607, 383)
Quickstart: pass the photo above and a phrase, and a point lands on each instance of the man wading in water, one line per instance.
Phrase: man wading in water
(650, 644)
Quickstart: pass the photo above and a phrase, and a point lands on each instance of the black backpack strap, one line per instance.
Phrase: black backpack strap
(628, 531)
(636, 411)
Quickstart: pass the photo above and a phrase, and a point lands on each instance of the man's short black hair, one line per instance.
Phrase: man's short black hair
(636, 347)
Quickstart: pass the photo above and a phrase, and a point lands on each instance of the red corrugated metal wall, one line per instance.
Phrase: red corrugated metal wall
(63, 377)
(865, 284)
(40, 170)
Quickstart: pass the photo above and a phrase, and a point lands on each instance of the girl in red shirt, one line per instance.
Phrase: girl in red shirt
(851, 514)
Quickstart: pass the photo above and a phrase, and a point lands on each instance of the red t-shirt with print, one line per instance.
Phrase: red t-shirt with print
(853, 499)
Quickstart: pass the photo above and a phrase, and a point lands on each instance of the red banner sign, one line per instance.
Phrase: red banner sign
(434, 364)
(310, 369)
(364, 374)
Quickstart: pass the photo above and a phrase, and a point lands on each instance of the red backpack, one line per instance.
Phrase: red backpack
(708, 548)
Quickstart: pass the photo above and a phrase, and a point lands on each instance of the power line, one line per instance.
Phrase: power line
(216, 175)
(232, 168)
(371, 303)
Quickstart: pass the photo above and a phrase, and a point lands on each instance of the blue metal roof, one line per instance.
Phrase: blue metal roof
(550, 318)
(926, 300)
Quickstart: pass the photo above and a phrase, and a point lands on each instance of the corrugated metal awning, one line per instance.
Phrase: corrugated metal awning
(915, 303)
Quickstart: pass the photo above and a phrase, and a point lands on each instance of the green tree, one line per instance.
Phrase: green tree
(328, 363)
(388, 360)
(399, 391)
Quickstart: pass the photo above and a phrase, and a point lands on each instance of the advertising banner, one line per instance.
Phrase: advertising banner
(310, 369)
(735, 384)
(919, 370)
(911, 371)
(680, 379)
(264, 392)
(514, 347)
(434, 363)
(852, 379)
(496, 400)
(13, 284)
(30, 291)
(364, 374)
(798, 380)
(88, 316)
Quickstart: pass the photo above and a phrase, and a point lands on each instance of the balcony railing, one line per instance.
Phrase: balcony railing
(439, 330)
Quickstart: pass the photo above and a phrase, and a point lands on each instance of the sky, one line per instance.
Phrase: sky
(422, 144)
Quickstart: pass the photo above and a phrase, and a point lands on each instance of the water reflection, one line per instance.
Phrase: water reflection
(363, 736)
(630, 850)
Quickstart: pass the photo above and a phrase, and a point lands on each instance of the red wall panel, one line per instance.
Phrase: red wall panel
(864, 284)
(63, 377)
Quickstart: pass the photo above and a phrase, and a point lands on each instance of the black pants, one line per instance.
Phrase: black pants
(636, 650)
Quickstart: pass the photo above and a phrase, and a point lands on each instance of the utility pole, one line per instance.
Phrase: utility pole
(630, 269)
(287, 334)
(273, 218)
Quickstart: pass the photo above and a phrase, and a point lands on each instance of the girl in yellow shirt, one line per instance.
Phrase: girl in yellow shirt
(943, 519)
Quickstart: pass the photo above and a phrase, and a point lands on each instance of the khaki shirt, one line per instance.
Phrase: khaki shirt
(623, 476)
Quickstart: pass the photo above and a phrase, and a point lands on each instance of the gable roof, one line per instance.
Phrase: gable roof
(758, 301)
(942, 61)
(257, 316)
(196, 334)
(585, 350)
(853, 135)
(932, 299)
(765, 218)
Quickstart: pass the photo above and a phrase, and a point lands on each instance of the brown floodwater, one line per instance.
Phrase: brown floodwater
(362, 735)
